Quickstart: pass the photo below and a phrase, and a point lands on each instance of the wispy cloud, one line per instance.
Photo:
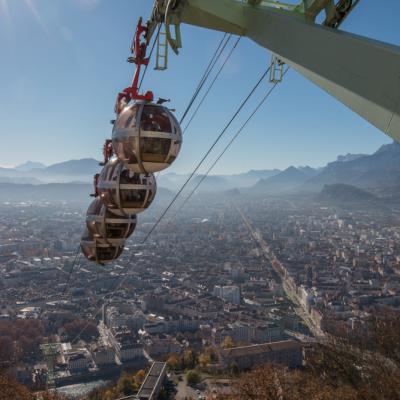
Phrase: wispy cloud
(87, 5)
(7, 165)
(66, 34)
(36, 14)
(5, 15)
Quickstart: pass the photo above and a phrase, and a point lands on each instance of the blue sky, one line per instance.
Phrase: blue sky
(63, 61)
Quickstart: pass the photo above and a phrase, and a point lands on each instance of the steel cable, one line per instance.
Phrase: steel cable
(228, 146)
(212, 84)
(206, 155)
(150, 55)
(217, 54)
(125, 275)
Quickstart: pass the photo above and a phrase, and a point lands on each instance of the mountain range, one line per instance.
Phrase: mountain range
(64, 172)
(82, 171)
(342, 193)
(29, 166)
(378, 170)
(287, 180)
(381, 169)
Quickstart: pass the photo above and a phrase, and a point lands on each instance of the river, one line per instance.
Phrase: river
(79, 390)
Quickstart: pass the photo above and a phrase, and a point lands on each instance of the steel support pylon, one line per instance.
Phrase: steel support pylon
(362, 73)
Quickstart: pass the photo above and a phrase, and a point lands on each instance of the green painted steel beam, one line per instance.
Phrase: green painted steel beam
(362, 73)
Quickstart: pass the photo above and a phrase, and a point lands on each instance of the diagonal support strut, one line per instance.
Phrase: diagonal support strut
(362, 73)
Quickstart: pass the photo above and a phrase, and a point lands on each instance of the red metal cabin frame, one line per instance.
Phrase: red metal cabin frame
(138, 49)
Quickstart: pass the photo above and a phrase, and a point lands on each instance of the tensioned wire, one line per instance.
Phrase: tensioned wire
(260, 104)
(150, 55)
(219, 137)
(212, 84)
(217, 54)
(200, 163)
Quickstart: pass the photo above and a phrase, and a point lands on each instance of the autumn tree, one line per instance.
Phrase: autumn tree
(278, 383)
(163, 394)
(192, 377)
(27, 347)
(381, 334)
(20, 340)
(96, 394)
(86, 330)
(11, 389)
(189, 358)
(367, 358)
(7, 351)
(138, 379)
(173, 362)
(208, 356)
(212, 352)
(227, 343)
(125, 385)
(362, 364)
(340, 363)
(204, 359)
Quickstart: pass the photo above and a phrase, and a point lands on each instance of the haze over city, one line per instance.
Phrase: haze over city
(222, 224)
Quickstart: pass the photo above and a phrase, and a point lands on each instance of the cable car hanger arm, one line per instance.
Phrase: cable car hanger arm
(360, 72)
(138, 50)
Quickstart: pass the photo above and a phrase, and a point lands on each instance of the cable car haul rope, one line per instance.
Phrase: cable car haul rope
(147, 137)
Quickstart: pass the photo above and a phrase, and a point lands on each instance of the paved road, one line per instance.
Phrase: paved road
(185, 391)
(279, 269)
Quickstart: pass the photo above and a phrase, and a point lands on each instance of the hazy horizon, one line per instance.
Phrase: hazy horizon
(15, 165)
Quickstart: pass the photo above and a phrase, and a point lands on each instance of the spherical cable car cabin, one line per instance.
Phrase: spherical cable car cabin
(107, 227)
(101, 253)
(146, 137)
(124, 192)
